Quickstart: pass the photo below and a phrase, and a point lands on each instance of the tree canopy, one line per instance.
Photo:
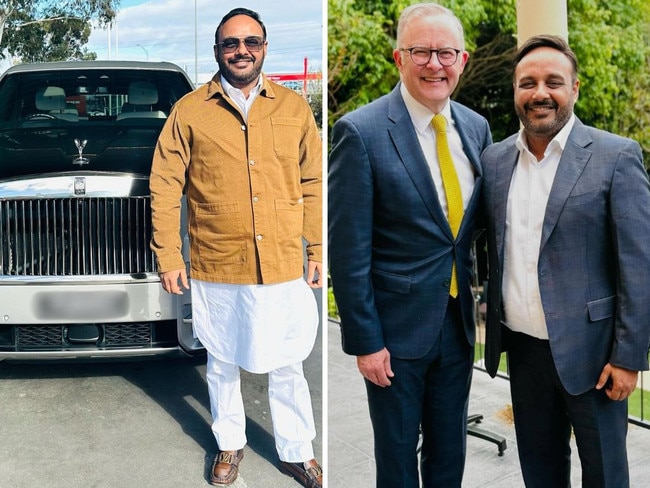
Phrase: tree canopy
(46, 30)
(611, 39)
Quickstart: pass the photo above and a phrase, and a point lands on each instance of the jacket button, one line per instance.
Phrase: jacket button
(259, 237)
(251, 162)
(255, 199)
(446, 283)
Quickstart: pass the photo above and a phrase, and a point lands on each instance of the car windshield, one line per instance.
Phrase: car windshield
(112, 116)
(88, 95)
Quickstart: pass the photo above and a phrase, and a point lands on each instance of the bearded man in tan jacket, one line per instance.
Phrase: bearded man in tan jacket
(247, 155)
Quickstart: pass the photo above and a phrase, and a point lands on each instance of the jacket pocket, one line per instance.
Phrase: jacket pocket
(289, 221)
(286, 136)
(219, 233)
(581, 199)
(600, 309)
(391, 282)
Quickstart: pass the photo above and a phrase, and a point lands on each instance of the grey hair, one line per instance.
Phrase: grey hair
(420, 10)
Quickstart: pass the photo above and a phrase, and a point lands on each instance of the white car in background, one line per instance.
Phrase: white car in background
(77, 276)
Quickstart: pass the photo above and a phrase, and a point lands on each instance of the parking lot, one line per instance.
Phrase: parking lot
(130, 424)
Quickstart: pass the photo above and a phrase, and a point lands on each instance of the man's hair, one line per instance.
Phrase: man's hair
(239, 11)
(420, 10)
(547, 40)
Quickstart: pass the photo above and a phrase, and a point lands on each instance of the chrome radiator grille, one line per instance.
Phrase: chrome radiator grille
(75, 236)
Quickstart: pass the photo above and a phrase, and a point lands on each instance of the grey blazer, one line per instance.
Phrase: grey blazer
(594, 258)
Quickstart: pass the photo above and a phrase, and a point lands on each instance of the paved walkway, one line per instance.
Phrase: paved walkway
(350, 445)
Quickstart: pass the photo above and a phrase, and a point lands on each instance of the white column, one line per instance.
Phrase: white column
(541, 17)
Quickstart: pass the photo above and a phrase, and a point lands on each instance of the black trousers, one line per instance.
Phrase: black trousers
(545, 415)
(432, 393)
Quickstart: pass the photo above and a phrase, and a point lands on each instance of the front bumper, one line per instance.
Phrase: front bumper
(126, 317)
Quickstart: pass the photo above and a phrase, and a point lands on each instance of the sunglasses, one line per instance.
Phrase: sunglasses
(231, 44)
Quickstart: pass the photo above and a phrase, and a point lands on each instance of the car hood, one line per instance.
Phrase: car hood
(52, 149)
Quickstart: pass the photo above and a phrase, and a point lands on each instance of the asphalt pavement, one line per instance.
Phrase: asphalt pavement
(136, 424)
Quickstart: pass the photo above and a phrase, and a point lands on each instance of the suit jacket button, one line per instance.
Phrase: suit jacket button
(446, 283)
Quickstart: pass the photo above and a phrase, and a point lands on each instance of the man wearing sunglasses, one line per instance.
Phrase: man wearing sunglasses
(247, 155)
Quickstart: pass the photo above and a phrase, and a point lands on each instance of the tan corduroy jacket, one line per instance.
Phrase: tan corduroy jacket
(254, 189)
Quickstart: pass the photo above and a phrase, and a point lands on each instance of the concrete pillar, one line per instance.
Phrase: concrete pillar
(541, 17)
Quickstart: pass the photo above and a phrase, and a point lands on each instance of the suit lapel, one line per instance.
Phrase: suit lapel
(408, 147)
(572, 163)
(472, 150)
(505, 167)
(470, 147)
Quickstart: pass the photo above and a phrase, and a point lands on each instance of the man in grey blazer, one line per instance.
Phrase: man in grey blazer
(568, 218)
(391, 251)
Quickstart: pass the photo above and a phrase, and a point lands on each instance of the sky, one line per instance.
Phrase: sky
(164, 30)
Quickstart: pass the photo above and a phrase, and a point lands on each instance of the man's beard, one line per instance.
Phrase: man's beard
(545, 129)
(236, 77)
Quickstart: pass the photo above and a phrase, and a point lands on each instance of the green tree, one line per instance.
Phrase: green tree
(45, 30)
(610, 38)
(360, 66)
(612, 42)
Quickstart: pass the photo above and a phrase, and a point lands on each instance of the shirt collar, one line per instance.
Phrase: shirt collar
(559, 141)
(420, 115)
(231, 91)
(218, 85)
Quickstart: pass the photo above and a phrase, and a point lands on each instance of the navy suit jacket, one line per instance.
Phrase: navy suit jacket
(390, 245)
(594, 257)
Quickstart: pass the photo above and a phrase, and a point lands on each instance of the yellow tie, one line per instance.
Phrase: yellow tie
(452, 188)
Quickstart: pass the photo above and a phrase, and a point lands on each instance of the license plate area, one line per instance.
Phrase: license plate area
(79, 305)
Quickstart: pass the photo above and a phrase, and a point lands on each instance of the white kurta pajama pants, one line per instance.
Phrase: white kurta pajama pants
(262, 329)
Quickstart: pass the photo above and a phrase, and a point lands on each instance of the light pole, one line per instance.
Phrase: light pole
(145, 51)
(196, 44)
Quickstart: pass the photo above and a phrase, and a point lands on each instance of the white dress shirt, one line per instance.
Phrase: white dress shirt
(237, 96)
(530, 188)
(421, 118)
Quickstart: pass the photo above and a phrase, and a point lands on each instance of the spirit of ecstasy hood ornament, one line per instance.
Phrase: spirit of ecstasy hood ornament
(80, 147)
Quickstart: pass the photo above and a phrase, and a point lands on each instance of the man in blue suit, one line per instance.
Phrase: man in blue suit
(395, 259)
(568, 214)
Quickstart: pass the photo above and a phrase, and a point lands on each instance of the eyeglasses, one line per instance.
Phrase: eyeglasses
(231, 44)
(422, 55)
